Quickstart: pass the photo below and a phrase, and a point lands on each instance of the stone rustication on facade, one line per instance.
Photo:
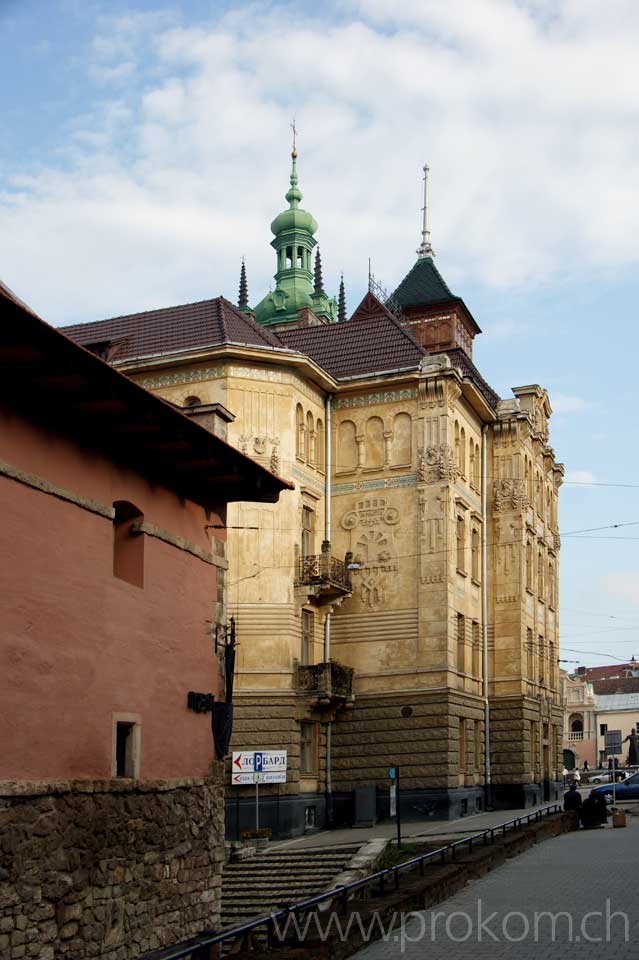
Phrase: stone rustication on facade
(107, 869)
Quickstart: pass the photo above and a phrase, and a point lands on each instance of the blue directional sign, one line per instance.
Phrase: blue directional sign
(392, 773)
(258, 762)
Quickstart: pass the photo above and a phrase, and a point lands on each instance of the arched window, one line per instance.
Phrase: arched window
(319, 445)
(375, 442)
(529, 483)
(540, 576)
(529, 566)
(461, 542)
(310, 438)
(457, 450)
(576, 723)
(474, 554)
(402, 428)
(551, 584)
(477, 467)
(552, 665)
(300, 431)
(128, 543)
(192, 402)
(471, 463)
(346, 453)
(462, 452)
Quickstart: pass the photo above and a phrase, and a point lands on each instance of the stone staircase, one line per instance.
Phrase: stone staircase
(272, 879)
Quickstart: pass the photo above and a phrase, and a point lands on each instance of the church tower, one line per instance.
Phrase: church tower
(296, 287)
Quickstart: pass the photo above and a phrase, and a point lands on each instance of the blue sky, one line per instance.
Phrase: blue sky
(145, 151)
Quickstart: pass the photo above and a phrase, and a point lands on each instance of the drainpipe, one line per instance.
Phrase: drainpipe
(484, 607)
(327, 621)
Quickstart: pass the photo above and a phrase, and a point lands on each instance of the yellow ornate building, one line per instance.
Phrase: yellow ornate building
(399, 607)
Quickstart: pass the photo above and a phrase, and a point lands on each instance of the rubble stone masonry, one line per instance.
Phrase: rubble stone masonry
(107, 869)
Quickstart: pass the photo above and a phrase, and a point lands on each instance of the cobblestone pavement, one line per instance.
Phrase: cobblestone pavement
(570, 876)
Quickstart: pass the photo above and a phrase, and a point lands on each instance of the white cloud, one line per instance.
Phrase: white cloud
(566, 403)
(580, 477)
(526, 111)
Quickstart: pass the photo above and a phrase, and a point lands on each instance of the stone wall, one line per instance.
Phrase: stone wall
(107, 869)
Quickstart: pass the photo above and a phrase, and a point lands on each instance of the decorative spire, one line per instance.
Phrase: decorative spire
(294, 194)
(425, 249)
(318, 282)
(242, 301)
(341, 303)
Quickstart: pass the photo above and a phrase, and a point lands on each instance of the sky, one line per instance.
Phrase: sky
(145, 150)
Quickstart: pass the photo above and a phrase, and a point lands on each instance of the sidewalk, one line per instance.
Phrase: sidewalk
(412, 829)
(573, 897)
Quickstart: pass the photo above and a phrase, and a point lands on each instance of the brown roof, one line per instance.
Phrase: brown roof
(172, 330)
(618, 685)
(608, 672)
(372, 341)
(47, 377)
(460, 359)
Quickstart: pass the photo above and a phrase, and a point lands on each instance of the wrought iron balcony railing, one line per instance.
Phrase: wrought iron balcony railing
(325, 571)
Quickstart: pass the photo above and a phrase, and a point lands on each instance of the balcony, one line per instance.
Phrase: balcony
(327, 577)
(576, 735)
(329, 684)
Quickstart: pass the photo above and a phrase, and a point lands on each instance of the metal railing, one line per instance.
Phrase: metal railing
(199, 948)
(322, 568)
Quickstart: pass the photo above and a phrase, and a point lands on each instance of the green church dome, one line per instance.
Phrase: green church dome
(294, 219)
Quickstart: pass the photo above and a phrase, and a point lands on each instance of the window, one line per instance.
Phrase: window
(319, 445)
(552, 665)
(308, 531)
(533, 746)
(126, 746)
(300, 431)
(478, 746)
(542, 661)
(300, 257)
(128, 543)
(530, 654)
(289, 257)
(603, 729)
(551, 584)
(529, 566)
(307, 748)
(124, 750)
(192, 402)
(461, 643)
(457, 450)
(477, 670)
(474, 554)
(540, 576)
(462, 452)
(477, 467)
(310, 438)
(461, 541)
(307, 636)
(471, 463)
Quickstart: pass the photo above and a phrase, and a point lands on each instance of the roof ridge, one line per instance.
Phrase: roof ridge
(142, 313)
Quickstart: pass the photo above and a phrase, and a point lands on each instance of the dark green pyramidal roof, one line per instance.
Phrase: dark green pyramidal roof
(423, 284)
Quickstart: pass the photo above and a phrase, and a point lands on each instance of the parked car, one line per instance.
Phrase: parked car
(628, 790)
(604, 776)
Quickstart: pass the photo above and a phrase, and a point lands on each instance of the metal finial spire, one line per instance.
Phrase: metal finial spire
(425, 249)
(294, 129)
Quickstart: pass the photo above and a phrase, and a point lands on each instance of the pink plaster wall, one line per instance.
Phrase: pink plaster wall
(78, 644)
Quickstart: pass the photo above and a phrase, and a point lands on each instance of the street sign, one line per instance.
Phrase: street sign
(258, 766)
(393, 800)
(392, 773)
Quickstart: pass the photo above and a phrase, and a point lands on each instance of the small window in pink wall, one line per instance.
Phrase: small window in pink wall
(128, 543)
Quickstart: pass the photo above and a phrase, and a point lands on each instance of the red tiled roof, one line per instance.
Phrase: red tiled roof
(174, 329)
(372, 341)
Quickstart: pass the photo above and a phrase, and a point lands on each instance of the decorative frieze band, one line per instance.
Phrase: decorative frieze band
(361, 486)
(368, 399)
